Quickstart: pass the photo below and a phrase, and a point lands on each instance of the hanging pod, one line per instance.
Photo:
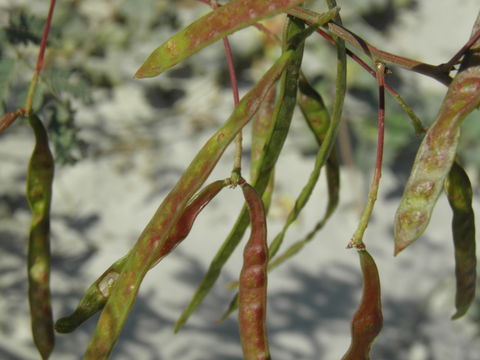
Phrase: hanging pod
(39, 196)
(368, 319)
(253, 282)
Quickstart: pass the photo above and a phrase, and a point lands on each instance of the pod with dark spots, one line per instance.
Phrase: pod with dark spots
(253, 282)
(98, 293)
(437, 151)
(459, 193)
(39, 196)
(368, 319)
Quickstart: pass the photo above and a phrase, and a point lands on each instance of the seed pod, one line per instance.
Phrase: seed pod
(98, 293)
(39, 196)
(437, 151)
(253, 282)
(459, 192)
(368, 319)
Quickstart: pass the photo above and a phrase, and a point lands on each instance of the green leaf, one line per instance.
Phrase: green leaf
(217, 24)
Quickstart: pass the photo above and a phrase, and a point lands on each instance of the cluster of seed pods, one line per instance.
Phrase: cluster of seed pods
(434, 169)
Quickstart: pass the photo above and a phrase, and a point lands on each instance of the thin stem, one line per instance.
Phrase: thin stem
(455, 59)
(436, 72)
(357, 238)
(237, 162)
(417, 124)
(313, 17)
(40, 58)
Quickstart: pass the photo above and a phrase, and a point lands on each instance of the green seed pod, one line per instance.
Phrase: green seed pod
(459, 192)
(39, 196)
(437, 151)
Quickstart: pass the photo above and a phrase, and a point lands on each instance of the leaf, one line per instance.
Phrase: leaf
(224, 20)
(437, 152)
(156, 233)
(459, 193)
(282, 118)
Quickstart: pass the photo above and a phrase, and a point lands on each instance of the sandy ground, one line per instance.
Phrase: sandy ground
(102, 204)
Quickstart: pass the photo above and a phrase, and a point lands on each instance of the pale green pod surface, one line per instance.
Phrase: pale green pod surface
(437, 152)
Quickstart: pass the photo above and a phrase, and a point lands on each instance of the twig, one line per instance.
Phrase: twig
(357, 238)
(41, 55)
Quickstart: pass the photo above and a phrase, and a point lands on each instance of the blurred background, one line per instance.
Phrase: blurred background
(121, 144)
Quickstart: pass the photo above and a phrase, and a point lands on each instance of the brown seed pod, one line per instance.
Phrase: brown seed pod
(368, 319)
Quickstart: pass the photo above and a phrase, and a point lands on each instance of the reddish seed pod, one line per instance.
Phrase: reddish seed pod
(253, 281)
(368, 319)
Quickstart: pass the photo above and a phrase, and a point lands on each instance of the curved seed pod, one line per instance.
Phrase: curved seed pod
(39, 196)
(253, 282)
(437, 151)
(93, 300)
(215, 25)
(98, 293)
(284, 107)
(153, 237)
(459, 192)
(368, 319)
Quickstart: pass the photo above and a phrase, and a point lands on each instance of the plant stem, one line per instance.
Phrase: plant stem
(237, 162)
(436, 72)
(41, 56)
(313, 17)
(357, 238)
(451, 63)
(417, 124)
